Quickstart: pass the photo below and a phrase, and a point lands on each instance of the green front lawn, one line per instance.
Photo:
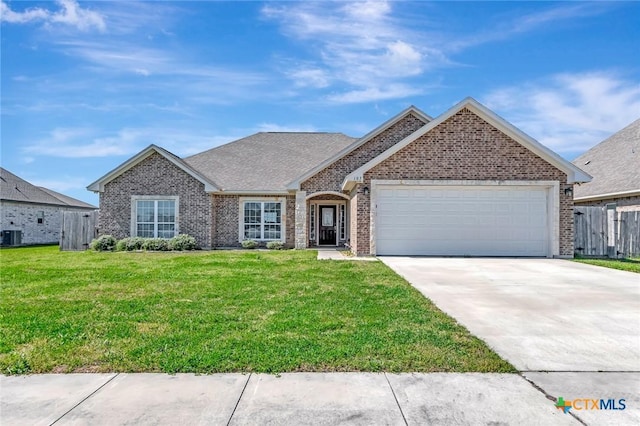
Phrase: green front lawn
(220, 311)
(631, 265)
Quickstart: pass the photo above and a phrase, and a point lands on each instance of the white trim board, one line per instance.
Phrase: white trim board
(622, 194)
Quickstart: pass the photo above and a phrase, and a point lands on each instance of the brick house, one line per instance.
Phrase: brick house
(32, 214)
(463, 183)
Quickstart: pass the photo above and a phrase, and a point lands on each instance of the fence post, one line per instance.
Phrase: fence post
(612, 231)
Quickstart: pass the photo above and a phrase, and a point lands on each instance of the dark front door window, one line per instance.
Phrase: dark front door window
(327, 228)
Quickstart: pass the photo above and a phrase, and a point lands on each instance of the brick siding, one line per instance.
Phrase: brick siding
(464, 147)
(155, 175)
(331, 177)
(17, 216)
(227, 219)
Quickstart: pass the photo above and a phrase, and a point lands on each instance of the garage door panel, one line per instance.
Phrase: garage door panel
(462, 221)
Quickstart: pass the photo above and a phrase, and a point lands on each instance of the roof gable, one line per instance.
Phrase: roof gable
(98, 185)
(574, 174)
(614, 164)
(14, 188)
(295, 184)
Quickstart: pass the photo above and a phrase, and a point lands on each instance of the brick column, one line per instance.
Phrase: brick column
(301, 220)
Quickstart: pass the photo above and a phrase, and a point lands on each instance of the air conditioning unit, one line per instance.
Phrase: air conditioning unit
(11, 238)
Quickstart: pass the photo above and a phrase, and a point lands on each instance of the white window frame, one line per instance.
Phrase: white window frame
(342, 222)
(156, 198)
(283, 218)
(312, 222)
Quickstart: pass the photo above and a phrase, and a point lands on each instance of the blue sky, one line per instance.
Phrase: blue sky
(85, 85)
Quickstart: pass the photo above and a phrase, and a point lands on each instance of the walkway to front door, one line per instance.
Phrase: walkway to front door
(327, 226)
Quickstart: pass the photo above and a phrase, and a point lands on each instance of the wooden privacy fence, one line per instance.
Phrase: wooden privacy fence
(606, 231)
(78, 229)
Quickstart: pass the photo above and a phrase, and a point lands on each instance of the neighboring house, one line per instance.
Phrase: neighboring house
(615, 166)
(32, 214)
(463, 183)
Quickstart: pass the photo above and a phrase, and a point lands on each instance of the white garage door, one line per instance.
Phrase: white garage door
(462, 220)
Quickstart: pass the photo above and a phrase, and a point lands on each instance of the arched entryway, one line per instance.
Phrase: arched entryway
(327, 223)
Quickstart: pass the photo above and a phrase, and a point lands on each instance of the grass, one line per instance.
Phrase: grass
(221, 311)
(631, 265)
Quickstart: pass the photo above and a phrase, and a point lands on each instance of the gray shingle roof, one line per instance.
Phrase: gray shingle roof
(266, 161)
(614, 164)
(14, 188)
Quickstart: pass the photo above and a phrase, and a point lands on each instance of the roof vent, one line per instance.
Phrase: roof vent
(588, 161)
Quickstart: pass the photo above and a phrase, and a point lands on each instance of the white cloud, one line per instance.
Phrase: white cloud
(142, 71)
(69, 143)
(371, 94)
(305, 77)
(28, 15)
(368, 51)
(403, 58)
(70, 13)
(272, 127)
(93, 143)
(569, 113)
(61, 185)
(368, 10)
(508, 28)
(357, 45)
(118, 57)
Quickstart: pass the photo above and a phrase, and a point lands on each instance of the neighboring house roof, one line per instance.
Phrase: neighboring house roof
(295, 184)
(574, 174)
(267, 161)
(614, 164)
(98, 185)
(14, 188)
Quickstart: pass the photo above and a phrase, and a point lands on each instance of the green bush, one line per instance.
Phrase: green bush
(183, 242)
(156, 244)
(103, 243)
(130, 244)
(275, 245)
(249, 244)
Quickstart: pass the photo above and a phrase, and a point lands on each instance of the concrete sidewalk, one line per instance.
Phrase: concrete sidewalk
(290, 399)
(332, 253)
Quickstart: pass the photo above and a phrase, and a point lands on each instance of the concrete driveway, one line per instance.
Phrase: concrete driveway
(573, 330)
(539, 314)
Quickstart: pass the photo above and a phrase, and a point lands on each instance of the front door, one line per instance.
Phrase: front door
(327, 228)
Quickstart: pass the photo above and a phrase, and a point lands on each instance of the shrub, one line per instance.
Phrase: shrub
(130, 244)
(156, 244)
(249, 244)
(275, 245)
(103, 243)
(183, 242)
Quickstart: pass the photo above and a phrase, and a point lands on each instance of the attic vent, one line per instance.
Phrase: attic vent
(588, 161)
